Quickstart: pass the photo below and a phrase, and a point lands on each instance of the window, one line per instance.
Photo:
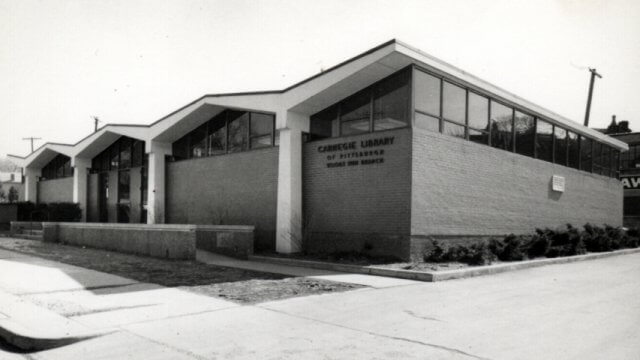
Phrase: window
(137, 153)
(453, 103)
(454, 100)
(453, 129)
(391, 103)
(574, 149)
(124, 153)
(586, 154)
(217, 141)
(631, 205)
(181, 148)
(238, 123)
(261, 130)
(615, 163)
(427, 93)
(606, 160)
(560, 146)
(544, 140)
(124, 185)
(478, 118)
(597, 157)
(59, 167)
(198, 141)
(324, 124)
(525, 129)
(427, 122)
(355, 114)
(501, 126)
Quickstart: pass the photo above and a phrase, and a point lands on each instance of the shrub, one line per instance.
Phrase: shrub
(509, 249)
(435, 254)
(474, 254)
(62, 211)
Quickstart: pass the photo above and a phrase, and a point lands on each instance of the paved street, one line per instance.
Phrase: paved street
(585, 310)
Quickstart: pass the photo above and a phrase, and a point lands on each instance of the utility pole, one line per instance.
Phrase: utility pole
(31, 138)
(594, 73)
(95, 123)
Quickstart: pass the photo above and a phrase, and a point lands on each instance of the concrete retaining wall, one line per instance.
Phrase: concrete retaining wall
(161, 241)
(231, 240)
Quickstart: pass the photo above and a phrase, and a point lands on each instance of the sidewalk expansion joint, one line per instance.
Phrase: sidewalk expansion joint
(435, 346)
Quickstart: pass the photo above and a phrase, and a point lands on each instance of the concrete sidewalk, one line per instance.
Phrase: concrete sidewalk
(367, 280)
(586, 310)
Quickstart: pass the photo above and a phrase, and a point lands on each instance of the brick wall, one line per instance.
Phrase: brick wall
(233, 189)
(463, 188)
(55, 190)
(361, 207)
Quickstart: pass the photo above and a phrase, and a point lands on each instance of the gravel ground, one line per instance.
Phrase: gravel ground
(242, 286)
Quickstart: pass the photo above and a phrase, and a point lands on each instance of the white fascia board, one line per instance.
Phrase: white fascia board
(43, 154)
(432, 63)
(308, 89)
(262, 102)
(93, 144)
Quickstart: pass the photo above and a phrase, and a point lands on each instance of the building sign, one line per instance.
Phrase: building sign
(557, 183)
(355, 153)
(630, 182)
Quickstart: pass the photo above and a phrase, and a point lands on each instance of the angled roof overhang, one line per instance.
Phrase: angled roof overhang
(42, 156)
(95, 143)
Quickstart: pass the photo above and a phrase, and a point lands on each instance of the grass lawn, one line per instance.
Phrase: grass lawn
(243, 286)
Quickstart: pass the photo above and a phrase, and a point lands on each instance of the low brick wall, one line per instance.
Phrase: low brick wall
(232, 240)
(17, 226)
(161, 241)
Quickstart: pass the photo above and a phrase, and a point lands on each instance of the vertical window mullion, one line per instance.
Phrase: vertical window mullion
(490, 125)
(513, 129)
(371, 109)
(553, 143)
(466, 114)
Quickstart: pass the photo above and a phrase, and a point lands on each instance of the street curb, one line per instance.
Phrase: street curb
(433, 276)
(29, 343)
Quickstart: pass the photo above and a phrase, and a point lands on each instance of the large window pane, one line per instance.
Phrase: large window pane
(125, 152)
(427, 122)
(124, 185)
(217, 142)
(574, 149)
(427, 93)
(115, 156)
(606, 160)
(560, 146)
(544, 140)
(181, 148)
(501, 126)
(198, 141)
(324, 124)
(391, 103)
(597, 157)
(525, 130)
(480, 137)
(615, 163)
(261, 130)
(355, 114)
(138, 153)
(586, 154)
(453, 129)
(478, 112)
(453, 103)
(238, 131)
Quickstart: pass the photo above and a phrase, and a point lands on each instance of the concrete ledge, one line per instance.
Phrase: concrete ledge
(519, 265)
(232, 240)
(161, 241)
(432, 276)
(17, 226)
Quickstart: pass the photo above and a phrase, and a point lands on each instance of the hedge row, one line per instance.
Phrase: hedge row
(544, 243)
(62, 211)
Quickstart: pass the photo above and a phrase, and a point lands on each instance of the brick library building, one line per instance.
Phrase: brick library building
(382, 153)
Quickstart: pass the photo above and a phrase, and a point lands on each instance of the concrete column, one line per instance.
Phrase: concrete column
(289, 216)
(31, 184)
(81, 168)
(156, 187)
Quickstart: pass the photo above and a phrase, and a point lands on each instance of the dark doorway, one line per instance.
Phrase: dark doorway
(124, 196)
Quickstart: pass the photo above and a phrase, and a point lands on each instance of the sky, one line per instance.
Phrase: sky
(130, 61)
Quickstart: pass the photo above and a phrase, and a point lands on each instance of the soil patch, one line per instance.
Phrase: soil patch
(243, 286)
